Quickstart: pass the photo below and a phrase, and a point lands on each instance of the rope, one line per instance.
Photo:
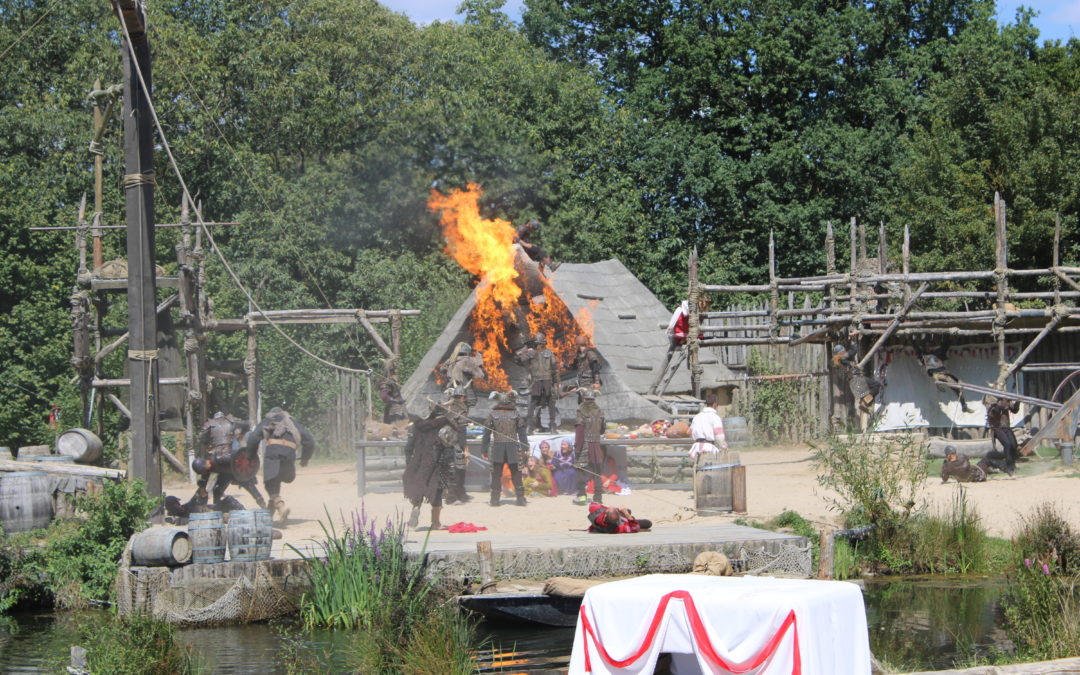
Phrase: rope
(132, 180)
(202, 223)
(41, 18)
(148, 355)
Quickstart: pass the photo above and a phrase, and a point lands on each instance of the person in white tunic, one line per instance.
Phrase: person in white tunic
(707, 430)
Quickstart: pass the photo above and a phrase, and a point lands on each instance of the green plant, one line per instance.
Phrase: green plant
(775, 404)
(952, 542)
(136, 645)
(22, 572)
(877, 480)
(845, 559)
(439, 645)
(81, 562)
(1042, 615)
(1046, 536)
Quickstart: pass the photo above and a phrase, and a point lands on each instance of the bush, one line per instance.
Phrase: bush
(1042, 612)
(953, 542)
(877, 480)
(136, 645)
(775, 405)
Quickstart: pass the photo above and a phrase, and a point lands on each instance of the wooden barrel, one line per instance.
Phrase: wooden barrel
(80, 444)
(736, 430)
(207, 538)
(25, 501)
(161, 546)
(249, 533)
(712, 482)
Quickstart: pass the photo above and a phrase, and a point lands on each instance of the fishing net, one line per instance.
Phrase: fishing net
(235, 592)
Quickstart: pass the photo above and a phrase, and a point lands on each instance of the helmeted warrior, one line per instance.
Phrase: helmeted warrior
(997, 419)
(283, 435)
(587, 361)
(223, 456)
(864, 389)
(463, 368)
(523, 236)
(933, 360)
(588, 430)
(508, 429)
(543, 379)
(390, 393)
(457, 410)
(957, 466)
(429, 464)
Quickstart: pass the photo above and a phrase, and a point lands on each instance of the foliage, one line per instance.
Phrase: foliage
(22, 571)
(776, 404)
(136, 645)
(1045, 536)
(82, 565)
(876, 480)
(953, 542)
(368, 584)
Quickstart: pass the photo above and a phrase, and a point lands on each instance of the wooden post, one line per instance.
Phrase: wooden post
(830, 260)
(854, 265)
(826, 555)
(142, 282)
(893, 326)
(906, 257)
(487, 566)
(395, 332)
(1057, 259)
(774, 292)
(1001, 285)
(883, 252)
(251, 370)
(361, 463)
(738, 488)
(693, 337)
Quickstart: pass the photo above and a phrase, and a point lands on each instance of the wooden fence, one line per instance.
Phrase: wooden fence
(343, 422)
(806, 364)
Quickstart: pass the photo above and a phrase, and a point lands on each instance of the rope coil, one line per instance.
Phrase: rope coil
(133, 180)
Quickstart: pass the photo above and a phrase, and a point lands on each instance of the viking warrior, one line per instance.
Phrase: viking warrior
(615, 520)
(588, 429)
(543, 379)
(933, 360)
(523, 236)
(864, 389)
(390, 393)
(506, 425)
(429, 465)
(283, 435)
(957, 466)
(997, 419)
(587, 363)
(224, 456)
(462, 369)
(457, 412)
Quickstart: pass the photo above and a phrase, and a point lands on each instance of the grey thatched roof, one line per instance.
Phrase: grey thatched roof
(628, 331)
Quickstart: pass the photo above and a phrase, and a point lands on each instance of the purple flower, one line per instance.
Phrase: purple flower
(1046, 569)
(1027, 563)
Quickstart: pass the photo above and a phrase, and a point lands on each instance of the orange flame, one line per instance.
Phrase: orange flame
(486, 249)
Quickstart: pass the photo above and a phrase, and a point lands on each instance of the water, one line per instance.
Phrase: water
(920, 623)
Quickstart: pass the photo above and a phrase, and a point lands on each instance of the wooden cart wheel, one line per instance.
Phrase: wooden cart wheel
(1067, 388)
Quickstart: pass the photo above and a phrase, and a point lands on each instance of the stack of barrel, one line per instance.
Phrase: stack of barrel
(246, 537)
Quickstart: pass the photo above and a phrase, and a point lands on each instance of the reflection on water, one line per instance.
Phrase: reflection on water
(933, 623)
(922, 623)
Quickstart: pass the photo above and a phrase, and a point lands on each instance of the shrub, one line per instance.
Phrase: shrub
(877, 480)
(954, 542)
(1042, 612)
(137, 645)
(775, 405)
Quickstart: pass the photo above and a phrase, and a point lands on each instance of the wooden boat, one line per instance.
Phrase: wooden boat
(528, 607)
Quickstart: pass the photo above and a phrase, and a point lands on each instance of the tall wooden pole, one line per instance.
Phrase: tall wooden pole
(1001, 283)
(142, 283)
(694, 334)
(99, 161)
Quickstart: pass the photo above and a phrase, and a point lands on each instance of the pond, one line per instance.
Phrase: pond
(914, 623)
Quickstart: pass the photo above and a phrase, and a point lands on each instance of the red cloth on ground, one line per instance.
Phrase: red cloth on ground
(457, 528)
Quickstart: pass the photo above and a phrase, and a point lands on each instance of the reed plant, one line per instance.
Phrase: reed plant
(137, 645)
(368, 584)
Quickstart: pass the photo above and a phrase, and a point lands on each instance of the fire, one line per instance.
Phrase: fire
(503, 312)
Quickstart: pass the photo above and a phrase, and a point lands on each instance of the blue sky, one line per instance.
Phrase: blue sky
(1058, 19)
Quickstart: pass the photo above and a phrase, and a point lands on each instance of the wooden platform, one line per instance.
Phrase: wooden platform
(668, 548)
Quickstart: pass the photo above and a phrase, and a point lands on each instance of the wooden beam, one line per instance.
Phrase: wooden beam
(893, 326)
(361, 316)
(1019, 360)
(64, 469)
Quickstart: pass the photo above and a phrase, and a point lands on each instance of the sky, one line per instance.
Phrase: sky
(1057, 19)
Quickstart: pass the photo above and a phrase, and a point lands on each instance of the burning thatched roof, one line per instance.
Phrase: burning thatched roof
(627, 328)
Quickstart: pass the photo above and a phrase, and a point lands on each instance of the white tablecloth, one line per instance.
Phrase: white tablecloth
(722, 625)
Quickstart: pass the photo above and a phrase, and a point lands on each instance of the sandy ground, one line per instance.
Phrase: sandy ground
(778, 478)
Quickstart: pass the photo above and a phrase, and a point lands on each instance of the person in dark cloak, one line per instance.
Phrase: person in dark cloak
(508, 428)
(283, 435)
(429, 464)
(587, 362)
(957, 466)
(457, 409)
(864, 389)
(588, 430)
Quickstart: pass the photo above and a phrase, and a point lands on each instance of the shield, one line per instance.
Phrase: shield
(244, 466)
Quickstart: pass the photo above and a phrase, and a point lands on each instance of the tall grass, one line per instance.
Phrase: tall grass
(136, 645)
(368, 584)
